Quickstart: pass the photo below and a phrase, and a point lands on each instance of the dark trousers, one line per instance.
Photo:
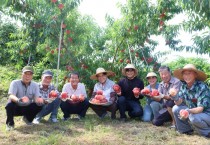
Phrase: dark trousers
(164, 115)
(134, 108)
(30, 111)
(100, 110)
(79, 108)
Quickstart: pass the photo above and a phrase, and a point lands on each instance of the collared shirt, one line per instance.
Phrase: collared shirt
(79, 90)
(173, 83)
(196, 96)
(19, 89)
(127, 87)
(107, 88)
(44, 92)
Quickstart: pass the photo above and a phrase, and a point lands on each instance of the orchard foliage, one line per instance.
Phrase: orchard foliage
(85, 46)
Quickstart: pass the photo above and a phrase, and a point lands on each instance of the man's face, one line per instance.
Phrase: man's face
(189, 76)
(46, 80)
(74, 80)
(152, 80)
(27, 77)
(102, 77)
(130, 73)
(165, 75)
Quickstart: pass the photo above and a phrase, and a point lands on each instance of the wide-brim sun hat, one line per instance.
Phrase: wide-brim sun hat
(190, 67)
(151, 74)
(102, 70)
(130, 66)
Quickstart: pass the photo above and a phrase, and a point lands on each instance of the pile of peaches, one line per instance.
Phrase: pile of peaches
(99, 98)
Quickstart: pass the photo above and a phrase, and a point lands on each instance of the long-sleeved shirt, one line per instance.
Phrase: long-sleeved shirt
(128, 85)
(107, 89)
(173, 83)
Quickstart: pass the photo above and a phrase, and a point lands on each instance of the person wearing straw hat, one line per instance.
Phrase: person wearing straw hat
(106, 85)
(74, 88)
(24, 99)
(168, 82)
(193, 97)
(127, 101)
(151, 109)
(45, 87)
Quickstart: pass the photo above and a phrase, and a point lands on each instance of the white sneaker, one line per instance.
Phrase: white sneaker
(24, 119)
(9, 127)
(36, 121)
(53, 120)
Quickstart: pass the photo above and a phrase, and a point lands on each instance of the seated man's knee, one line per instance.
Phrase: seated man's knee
(121, 100)
(194, 119)
(175, 109)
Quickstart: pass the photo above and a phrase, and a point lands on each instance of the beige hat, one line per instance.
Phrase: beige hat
(101, 70)
(200, 75)
(127, 67)
(151, 74)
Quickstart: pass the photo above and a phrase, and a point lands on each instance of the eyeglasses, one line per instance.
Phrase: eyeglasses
(130, 69)
(151, 77)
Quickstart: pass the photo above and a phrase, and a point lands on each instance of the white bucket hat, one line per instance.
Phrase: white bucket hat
(129, 66)
(151, 74)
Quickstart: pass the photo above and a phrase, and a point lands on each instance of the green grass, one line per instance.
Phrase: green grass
(92, 131)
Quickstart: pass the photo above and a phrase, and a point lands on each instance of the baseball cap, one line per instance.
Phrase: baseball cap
(47, 73)
(28, 68)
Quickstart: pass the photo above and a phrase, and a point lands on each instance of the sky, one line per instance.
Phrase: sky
(99, 8)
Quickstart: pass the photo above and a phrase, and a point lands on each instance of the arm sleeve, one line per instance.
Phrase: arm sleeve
(84, 90)
(12, 89)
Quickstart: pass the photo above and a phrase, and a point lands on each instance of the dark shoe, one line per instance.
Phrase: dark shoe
(123, 119)
(208, 136)
(103, 115)
(187, 132)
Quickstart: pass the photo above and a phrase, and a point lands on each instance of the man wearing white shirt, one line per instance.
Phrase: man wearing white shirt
(74, 87)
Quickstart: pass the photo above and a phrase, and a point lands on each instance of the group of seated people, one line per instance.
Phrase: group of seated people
(183, 99)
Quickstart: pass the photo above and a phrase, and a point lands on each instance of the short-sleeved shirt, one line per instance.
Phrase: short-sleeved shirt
(128, 85)
(196, 96)
(107, 88)
(45, 92)
(80, 89)
(19, 89)
(173, 83)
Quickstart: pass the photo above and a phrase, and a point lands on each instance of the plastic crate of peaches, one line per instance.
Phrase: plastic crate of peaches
(100, 99)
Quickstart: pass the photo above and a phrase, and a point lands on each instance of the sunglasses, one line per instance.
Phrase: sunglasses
(103, 74)
(150, 78)
(130, 69)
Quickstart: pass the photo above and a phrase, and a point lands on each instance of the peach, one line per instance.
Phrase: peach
(173, 92)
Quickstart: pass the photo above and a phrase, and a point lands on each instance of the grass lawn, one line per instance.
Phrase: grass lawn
(93, 131)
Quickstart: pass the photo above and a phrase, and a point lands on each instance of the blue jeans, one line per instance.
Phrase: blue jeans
(151, 111)
(200, 121)
(50, 108)
(134, 108)
(77, 108)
